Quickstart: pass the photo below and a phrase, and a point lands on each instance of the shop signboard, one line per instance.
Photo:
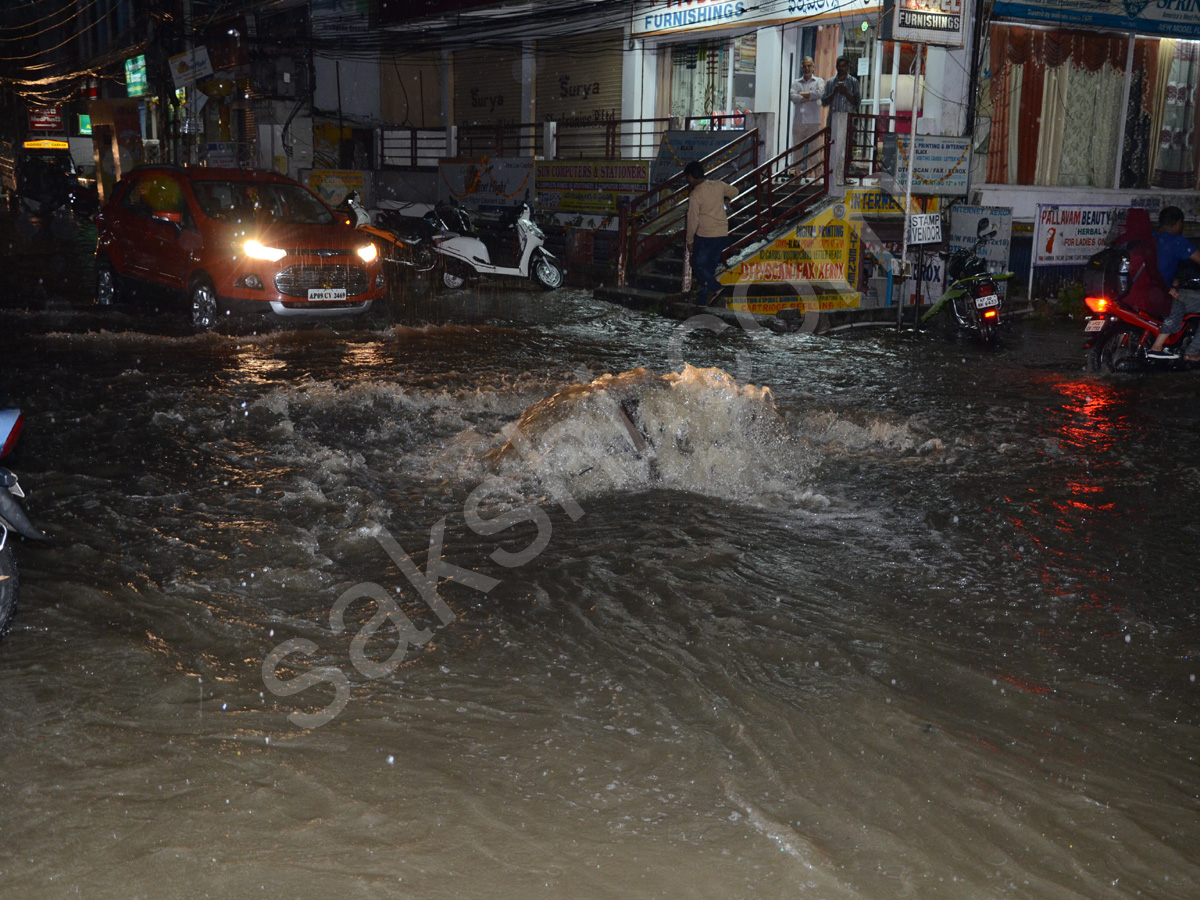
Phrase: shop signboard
(1163, 19)
(876, 203)
(190, 66)
(588, 186)
(674, 16)
(486, 184)
(942, 164)
(938, 22)
(1070, 235)
(47, 119)
(136, 84)
(969, 223)
(814, 267)
(332, 185)
(925, 228)
(678, 148)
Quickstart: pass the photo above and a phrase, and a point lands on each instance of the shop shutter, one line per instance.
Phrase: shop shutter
(579, 79)
(487, 87)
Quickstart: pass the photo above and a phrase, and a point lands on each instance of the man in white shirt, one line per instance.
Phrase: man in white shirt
(707, 229)
(806, 93)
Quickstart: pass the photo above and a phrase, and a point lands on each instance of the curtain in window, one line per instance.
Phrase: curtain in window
(1175, 115)
(1056, 96)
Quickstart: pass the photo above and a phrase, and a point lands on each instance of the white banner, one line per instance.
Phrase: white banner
(1070, 235)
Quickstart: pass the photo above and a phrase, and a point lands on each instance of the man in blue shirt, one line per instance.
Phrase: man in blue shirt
(1174, 248)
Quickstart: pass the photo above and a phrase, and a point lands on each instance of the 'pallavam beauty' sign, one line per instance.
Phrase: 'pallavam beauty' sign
(1069, 235)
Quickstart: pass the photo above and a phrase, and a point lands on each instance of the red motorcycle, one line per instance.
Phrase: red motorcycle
(1127, 315)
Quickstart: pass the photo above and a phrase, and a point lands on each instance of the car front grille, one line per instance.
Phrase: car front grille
(297, 281)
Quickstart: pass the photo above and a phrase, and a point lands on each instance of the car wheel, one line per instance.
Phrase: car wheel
(546, 273)
(108, 288)
(204, 305)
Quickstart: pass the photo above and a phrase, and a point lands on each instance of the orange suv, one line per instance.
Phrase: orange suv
(234, 242)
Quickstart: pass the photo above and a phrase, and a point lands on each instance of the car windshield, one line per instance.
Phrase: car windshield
(259, 201)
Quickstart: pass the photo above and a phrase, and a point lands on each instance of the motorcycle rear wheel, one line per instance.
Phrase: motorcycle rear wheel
(8, 585)
(1115, 352)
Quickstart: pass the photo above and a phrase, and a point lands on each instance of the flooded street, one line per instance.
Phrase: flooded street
(328, 613)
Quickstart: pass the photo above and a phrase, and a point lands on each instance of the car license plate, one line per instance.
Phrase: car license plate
(987, 302)
(1094, 325)
(326, 295)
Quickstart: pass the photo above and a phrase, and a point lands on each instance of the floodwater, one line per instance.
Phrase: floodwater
(870, 616)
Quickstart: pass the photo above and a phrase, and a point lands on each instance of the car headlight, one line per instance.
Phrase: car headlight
(368, 253)
(255, 250)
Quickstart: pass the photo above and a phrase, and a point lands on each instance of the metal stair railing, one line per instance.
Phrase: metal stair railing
(770, 194)
(651, 221)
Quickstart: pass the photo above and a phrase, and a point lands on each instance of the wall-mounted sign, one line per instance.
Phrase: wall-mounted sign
(85, 124)
(588, 186)
(46, 144)
(814, 267)
(942, 164)
(48, 119)
(673, 16)
(136, 84)
(1165, 18)
(1067, 235)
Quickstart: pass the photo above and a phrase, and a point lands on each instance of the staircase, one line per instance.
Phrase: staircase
(772, 195)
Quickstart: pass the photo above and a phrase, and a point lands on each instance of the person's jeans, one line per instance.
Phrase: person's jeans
(1188, 302)
(706, 256)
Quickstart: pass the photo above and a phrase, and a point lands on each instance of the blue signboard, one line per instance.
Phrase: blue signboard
(1167, 18)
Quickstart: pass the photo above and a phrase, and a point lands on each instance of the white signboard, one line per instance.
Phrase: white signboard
(188, 68)
(1070, 235)
(942, 165)
(925, 228)
(937, 22)
(968, 223)
(673, 16)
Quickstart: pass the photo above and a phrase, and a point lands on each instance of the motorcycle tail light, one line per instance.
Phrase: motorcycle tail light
(1098, 305)
(986, 290)
(989, 314)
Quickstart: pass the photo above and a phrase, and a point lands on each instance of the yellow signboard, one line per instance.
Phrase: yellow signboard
(46, 144)
(814, 267)
(875, 203)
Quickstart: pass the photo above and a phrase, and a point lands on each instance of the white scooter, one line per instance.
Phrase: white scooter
(514, 247)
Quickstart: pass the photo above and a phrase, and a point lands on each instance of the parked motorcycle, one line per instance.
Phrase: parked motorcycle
(513, 247)
(972, 302)
(401, 246)
(13, 520)
(1117, 337)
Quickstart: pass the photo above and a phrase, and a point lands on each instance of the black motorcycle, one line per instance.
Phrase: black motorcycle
(971, 302)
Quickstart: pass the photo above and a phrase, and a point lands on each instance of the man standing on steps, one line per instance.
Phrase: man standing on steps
(842, 96)
(707, 229)
(806, 93)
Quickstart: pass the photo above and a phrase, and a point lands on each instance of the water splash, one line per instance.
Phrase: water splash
(697, 430)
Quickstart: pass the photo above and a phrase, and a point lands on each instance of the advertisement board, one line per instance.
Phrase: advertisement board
(1070, 235)
(47, 119)
(588, 186)
(814, 267)
(968, 223)
(942, 164)
(938, 22)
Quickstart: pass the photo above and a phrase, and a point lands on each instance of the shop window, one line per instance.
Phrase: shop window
(1050, 110)
(699, 78)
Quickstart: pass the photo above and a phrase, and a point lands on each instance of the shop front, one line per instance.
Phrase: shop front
(709, 63)
(1102, 100)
